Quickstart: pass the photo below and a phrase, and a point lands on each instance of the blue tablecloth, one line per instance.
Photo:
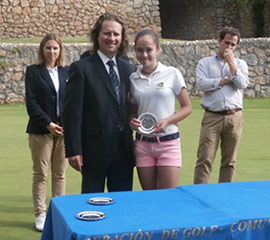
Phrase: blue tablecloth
(222, 211)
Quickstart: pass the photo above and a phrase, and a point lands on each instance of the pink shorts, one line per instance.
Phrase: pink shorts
(165, 153)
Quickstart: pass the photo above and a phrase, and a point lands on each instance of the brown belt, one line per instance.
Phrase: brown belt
(225, 112)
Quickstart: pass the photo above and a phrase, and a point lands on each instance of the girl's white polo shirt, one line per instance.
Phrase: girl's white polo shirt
(157, 93)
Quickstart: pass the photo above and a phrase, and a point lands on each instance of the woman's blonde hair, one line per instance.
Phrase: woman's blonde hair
(60, 62)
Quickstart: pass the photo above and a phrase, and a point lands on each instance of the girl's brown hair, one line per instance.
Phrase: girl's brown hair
(151, 31)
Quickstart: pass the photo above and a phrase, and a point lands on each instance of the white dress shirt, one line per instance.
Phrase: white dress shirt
(105, 59)
(55, 79)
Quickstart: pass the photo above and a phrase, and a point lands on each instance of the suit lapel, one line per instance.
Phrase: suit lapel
(62, 80)
(46, 76)
(122, 75)
(104, 76)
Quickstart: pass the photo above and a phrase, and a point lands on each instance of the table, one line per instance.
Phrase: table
(223, 211)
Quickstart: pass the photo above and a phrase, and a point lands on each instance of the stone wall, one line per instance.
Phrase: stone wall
(182, 54)
(193, 19)
(185, 19)
(34, 18)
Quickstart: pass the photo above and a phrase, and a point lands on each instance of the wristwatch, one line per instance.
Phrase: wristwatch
(226, 78)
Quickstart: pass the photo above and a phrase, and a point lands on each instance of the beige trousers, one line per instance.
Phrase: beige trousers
(215, 128)
(47, 151)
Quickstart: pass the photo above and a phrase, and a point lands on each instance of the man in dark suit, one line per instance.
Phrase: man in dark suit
(98, 138)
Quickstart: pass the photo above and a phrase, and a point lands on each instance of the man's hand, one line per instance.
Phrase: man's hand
(225, 80)
(229, 58)
(76, 162)
(228, 55)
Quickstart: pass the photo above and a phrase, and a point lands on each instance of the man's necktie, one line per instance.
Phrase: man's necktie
(114, 79)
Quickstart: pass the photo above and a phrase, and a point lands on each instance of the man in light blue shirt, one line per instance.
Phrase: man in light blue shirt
(222, 78)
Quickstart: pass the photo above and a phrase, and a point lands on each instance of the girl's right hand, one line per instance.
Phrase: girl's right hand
(135, 124)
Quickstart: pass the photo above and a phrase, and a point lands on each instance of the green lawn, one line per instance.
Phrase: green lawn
(16, 212)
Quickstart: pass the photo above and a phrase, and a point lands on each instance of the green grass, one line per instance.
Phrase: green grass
(16, 211)
(253, 161)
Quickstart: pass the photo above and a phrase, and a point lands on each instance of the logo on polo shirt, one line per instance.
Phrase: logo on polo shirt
(160, 85)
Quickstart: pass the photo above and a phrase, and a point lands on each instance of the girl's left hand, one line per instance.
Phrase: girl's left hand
(162, 126)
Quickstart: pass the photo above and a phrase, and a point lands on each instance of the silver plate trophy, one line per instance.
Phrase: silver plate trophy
(100, 200)
(149, 122)
(91, 215)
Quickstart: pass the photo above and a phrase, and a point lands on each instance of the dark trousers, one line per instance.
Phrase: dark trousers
(118, 176)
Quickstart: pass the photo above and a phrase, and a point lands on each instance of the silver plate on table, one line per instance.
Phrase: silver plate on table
(149, 122)
(101, 200)
(91, 215)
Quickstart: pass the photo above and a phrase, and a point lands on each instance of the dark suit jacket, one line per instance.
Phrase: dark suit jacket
(41, 97)
(92, 116)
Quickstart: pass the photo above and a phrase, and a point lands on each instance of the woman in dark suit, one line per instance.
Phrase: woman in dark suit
(44, 89)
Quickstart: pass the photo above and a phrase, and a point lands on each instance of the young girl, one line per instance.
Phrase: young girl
(154, 89)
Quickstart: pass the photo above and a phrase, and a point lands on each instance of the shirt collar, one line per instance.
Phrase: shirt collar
(218, 58)
(53, 69)
(105, 59)
(159, 68)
